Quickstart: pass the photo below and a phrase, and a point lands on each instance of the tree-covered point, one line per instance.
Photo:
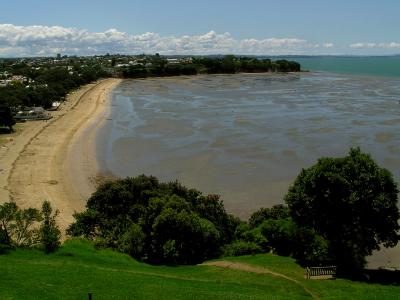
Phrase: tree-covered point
(229, 64)
(160, 223)
(232, 64)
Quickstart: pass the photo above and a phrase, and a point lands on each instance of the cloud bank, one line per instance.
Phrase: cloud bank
(49, 40)
(392, 45)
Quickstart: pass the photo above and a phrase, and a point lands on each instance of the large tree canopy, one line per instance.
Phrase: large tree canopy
(351, 202)
(156, 222)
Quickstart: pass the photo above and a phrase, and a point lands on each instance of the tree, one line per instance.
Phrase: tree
(49, 232)
(182, 237)
(17, 225)
(6, 118)
(132, 242)
(7, 216)
(280, 235)
(276, 212)
(349, 202)
(156, 222)
(24, 232)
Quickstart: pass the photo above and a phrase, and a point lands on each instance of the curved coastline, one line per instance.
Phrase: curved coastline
(55, 160)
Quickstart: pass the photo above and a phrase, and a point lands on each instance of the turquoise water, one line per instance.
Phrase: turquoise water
(388, 66)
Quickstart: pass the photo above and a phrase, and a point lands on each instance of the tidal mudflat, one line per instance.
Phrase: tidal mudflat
(247, 136)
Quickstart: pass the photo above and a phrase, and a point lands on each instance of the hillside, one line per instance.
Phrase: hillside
(77, 268)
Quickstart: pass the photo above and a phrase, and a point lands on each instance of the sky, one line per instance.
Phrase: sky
(258, 27)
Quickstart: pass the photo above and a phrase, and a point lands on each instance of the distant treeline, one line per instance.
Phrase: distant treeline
(228, 64)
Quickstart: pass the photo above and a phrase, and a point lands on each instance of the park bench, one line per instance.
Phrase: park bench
(328, 272)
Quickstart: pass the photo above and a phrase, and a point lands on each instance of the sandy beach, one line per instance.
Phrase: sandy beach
(54, 160)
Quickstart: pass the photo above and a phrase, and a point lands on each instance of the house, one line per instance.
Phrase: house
(173, 61)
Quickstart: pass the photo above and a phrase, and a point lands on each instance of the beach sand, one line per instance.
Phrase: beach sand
(55, 160)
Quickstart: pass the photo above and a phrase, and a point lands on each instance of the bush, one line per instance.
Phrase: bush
(239, 248)
(156, 222)
(49, 232)
(280, 235)
(276, 212)
(17, 226)
(132, 242)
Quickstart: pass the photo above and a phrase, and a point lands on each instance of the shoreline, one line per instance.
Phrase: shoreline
(53, 160)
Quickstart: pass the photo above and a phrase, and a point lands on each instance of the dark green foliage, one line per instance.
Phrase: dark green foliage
(309, 248)
(252, 235)
(16, 225)
(156, 222)
(132, 241)
(6, 117)
(24, 232)
(183, 237)
(286, 66)
(280, 235)
(86, 224)
(5, 242)
(141, 71)
(276, 212)
(271, 229)
(231, 64)
(239, 248)
(7, 217)
(19, 227)
(48, 85)
(350, 203)
(49, 232)
(135, 72)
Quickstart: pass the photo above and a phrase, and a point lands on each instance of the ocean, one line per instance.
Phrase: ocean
(384, 66)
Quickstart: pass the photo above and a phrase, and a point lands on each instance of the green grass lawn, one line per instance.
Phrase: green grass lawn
(77, 269)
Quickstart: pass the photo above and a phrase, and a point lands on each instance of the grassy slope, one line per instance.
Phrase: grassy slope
(78, 269)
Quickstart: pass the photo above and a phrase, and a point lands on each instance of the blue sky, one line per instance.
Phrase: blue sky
(253, 26)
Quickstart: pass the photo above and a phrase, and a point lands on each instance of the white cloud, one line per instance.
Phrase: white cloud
(45, 40)
(363, 45)
(392, 45)
(328, 45)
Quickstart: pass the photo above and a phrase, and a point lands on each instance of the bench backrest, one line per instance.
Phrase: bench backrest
(328, 272)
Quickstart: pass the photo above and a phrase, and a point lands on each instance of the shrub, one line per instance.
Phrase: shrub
(156, 222)
(238, 248)
(49, 232)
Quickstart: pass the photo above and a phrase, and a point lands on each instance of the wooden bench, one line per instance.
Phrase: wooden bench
(328, 272)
